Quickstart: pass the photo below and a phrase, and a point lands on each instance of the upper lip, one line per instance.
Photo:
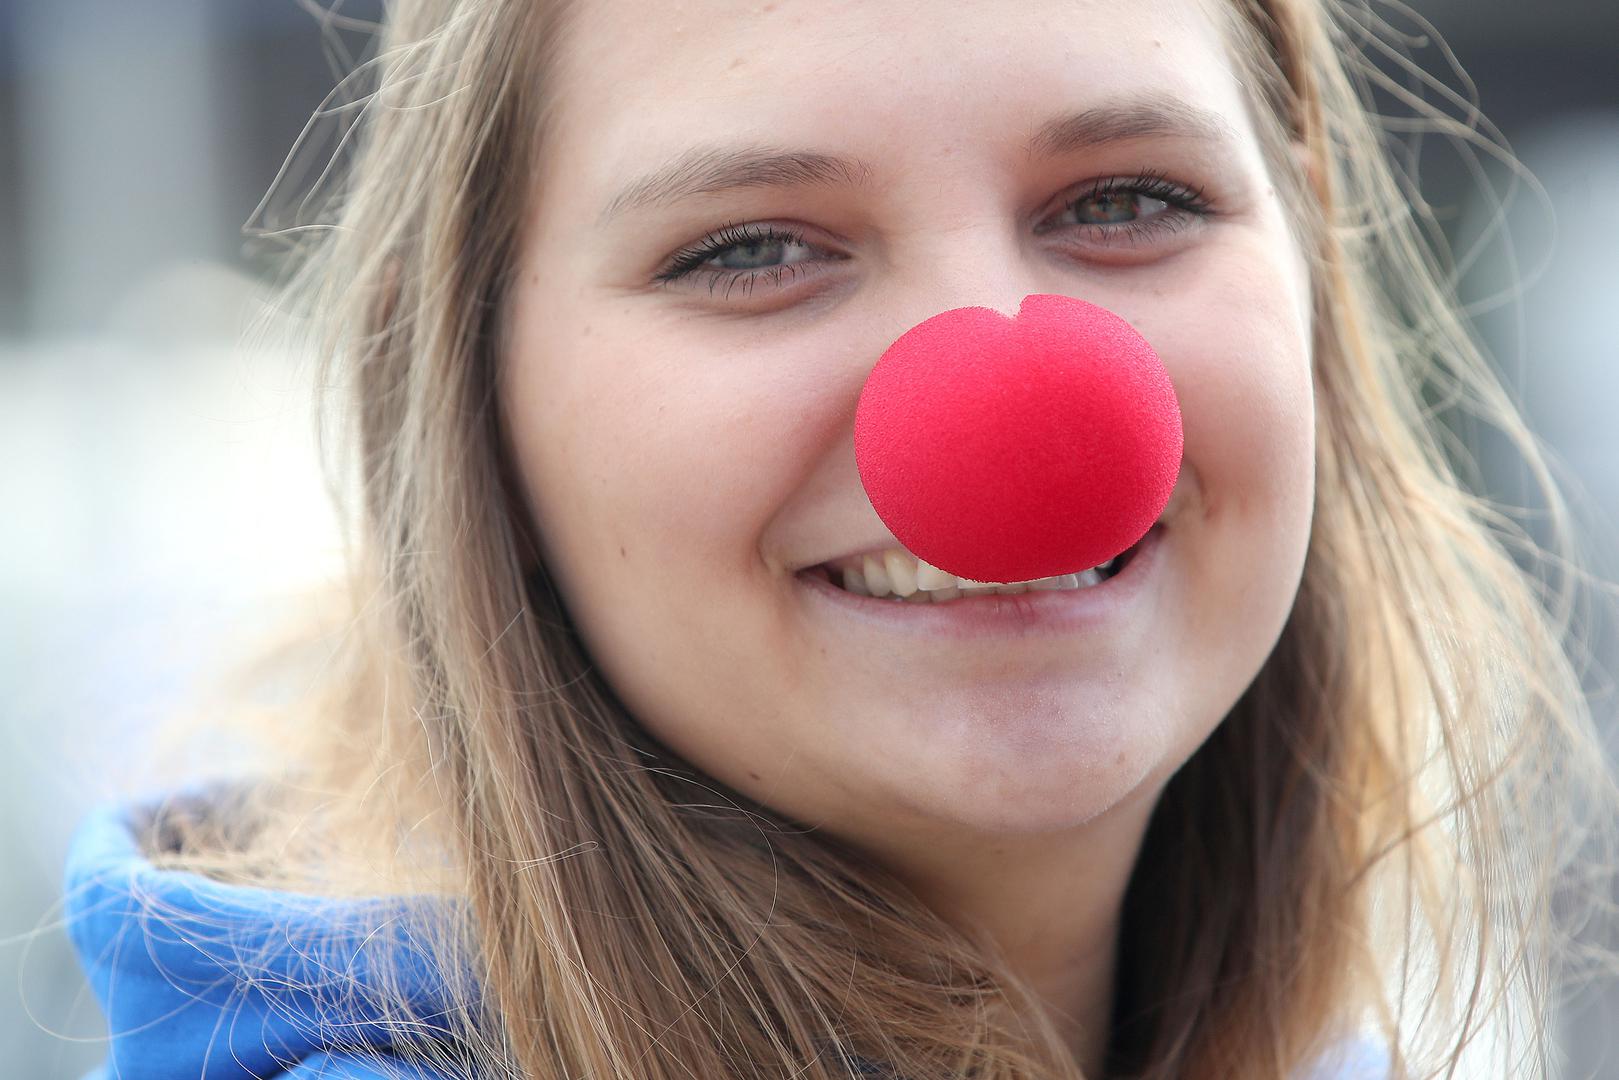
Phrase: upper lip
(877, 547)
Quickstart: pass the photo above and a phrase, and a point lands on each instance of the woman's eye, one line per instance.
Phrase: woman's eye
(1133, 211)
(1112, 212)
(1116, 207)
(758, 254)
(740, 256)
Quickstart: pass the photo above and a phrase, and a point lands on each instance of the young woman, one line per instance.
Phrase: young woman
(603, 783)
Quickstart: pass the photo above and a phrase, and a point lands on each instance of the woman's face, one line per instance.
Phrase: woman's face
(685, 443)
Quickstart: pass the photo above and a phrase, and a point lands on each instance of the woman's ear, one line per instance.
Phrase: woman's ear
(1313, 169)
(387, 300)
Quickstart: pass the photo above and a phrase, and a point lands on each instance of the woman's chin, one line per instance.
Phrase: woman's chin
(1029, 772)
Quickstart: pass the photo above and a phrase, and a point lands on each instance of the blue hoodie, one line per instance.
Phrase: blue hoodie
(205, 981)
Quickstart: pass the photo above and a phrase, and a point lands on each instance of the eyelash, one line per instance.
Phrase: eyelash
(1183, 204)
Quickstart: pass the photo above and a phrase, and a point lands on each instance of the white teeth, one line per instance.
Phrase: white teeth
(901, 571)
(877, 577)
(898, 574)
(929, 576)
(1066, 581)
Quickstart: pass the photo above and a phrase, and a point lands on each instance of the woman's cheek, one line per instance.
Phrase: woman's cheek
(701, 452)
(1232, 337)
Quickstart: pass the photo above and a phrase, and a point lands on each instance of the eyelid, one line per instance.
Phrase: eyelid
(1153, 183)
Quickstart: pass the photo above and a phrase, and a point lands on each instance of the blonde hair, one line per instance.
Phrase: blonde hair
(1400, 790)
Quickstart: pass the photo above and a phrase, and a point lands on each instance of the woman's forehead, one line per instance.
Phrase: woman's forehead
(640, 81)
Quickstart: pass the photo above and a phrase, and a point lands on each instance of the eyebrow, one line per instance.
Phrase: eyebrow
(707, 170)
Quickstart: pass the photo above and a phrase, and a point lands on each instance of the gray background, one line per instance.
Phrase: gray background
(158, 493)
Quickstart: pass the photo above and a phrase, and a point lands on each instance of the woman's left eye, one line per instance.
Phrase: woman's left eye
(1131, 210)
(1108, 212)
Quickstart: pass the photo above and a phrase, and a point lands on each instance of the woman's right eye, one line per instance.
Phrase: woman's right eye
(741, 255)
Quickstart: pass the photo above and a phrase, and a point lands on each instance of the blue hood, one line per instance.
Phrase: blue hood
(208, 981)
(220, 982)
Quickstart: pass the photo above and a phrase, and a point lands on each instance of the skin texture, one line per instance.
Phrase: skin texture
(684, 448)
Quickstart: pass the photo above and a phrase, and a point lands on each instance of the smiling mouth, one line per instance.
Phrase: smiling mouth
(891, 579)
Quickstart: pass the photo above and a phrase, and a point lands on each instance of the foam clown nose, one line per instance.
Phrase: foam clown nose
(1010, 449)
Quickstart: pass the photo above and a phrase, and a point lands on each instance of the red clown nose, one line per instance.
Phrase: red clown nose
(1010, 449)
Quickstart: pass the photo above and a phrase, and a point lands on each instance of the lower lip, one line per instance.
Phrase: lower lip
(1036, 612)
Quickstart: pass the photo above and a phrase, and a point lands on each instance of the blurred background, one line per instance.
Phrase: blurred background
(158, 481)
